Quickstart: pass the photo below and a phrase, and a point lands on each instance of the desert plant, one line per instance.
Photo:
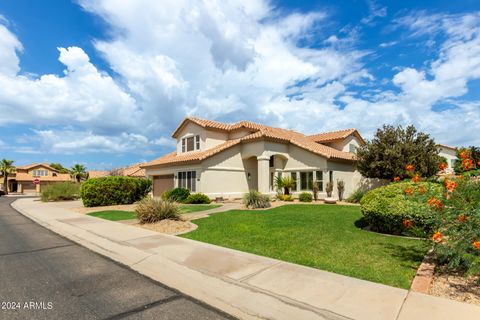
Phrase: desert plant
(305, 197)
(107, 191)
(315, 189)
(386, 209)
(329, 189)
(151, 210)
(60, 191)
(254, 199)
(340, 189)
(356, 196)
(6, 168)
(178, 194)
(197, 198)
(457, 225)
(287, 183)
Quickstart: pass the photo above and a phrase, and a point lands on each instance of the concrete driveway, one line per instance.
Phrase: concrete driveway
(45, 276)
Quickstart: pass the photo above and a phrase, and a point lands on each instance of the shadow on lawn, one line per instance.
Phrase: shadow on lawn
(410, 255)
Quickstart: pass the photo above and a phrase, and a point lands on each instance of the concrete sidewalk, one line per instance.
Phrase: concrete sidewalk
(241, 284)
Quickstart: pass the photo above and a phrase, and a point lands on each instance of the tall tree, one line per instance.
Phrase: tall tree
(392, 148)
(6, 168)
(78, 172)
(59, 167)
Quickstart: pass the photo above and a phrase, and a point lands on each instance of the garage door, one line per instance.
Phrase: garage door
(162, 183)
(28, 187)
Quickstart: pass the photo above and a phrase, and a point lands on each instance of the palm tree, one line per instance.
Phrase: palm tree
(78, 172)
(286, 183)
(6, 168)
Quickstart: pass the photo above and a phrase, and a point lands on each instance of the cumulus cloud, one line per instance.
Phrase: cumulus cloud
(230, 61)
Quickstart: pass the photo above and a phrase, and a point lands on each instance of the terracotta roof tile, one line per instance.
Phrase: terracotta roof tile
(98, 173)
(261, 132)
(332, 136)
(446, 146)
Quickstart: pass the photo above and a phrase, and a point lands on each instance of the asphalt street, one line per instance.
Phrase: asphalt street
(45, 276)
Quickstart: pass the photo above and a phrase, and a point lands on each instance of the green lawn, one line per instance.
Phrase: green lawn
(116, 215)
(319, 236)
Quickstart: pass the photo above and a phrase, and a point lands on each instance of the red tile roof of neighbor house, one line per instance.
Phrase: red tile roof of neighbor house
(446, 146)
(98, 173)
(24, 176)
(335, 135)
(34, 165)
(259, 132)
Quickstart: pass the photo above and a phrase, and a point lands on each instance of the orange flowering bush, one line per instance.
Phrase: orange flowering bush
(397, 179)
(456, 217)
(409, 167)
(442, 166)
(416, 178)
(468, 161)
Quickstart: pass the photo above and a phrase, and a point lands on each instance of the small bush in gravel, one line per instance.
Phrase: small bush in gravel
(198, 198)
(150, 210)
(61, 191)
(305, 197)
(285, 197)
(254, 199)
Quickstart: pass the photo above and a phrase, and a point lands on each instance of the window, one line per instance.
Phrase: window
(191, 143)
(319, 180)
(188, 180)
(331, 176)
(352, 148)
(452, 163)
(271, 162)
(294, 177)
(197, 142)
(306, 180)
(40, 173)
(272, 180)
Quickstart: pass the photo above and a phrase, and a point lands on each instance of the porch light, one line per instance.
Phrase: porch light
(249, 176)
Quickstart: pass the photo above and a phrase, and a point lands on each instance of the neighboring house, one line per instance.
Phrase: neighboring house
(226, 160)
(450, 153)
(22, 179)
(98, 173)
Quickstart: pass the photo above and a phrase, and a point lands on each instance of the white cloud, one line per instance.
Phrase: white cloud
(230, 61)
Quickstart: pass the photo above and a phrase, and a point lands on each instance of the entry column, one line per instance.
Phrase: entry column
(263, 174)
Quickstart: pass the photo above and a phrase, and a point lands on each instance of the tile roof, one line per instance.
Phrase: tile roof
(98, 173)
(446, 146)
(335, 135)
(34, 165)
(260, 132)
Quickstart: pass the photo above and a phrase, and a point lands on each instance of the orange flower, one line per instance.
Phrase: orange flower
(437, 237)
(464, 154)
(408, 191)
(396, 179)
(462, 218)
(435, 203)
(442, 166)
(407, 223)
(422, 190)
(450, 185)
(410, 167)
(416, 178)
(467, 164)
(476, 244)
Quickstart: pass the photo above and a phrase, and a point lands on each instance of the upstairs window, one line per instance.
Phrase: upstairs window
(40, 173)
(191, 143)
(352, 148)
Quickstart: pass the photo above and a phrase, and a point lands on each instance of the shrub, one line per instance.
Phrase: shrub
(341, 189)
(178, 194)
(285, 197)
(106, 191)
(61, 191)
(457, 226)
(254, 199)
(356, 196)
(166, 194)
(329, 189)
(386, 209)
(287, 183)
(198, 198)
(150, 210)
(305, 197)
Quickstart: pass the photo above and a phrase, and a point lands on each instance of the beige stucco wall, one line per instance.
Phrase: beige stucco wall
(345, 144)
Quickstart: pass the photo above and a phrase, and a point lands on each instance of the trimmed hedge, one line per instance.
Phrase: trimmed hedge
(305, 197)
(198, 198)
(386, 208)
(107, 191)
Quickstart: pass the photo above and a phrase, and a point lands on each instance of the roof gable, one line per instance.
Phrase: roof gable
(332, 136)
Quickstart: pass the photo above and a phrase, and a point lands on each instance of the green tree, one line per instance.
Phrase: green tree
(59, 167)
(392, 148)
(6, 168)
(78, 172)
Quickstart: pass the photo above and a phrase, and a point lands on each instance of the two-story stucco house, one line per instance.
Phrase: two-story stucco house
(22, 179)
(449, 153)
(226, 160)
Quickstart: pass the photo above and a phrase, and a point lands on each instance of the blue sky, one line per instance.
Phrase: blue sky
(104, 82)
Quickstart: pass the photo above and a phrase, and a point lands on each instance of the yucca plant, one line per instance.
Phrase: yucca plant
(341, 189)
(329, 189)
(151, 210)
(286, 183)
(254, 199)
